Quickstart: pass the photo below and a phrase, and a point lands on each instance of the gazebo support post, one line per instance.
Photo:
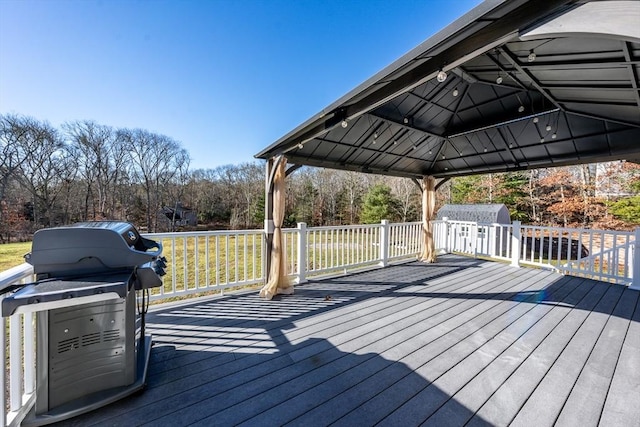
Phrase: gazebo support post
(276, 281)
(428, 207)
(268, 216)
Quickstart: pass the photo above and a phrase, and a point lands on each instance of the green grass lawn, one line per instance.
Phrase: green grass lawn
(12, 254)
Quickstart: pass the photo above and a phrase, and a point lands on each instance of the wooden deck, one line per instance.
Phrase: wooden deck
(459, 342)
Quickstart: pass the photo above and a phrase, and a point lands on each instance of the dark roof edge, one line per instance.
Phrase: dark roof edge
(450, 30)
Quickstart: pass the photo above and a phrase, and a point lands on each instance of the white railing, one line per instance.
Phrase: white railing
(405, 240)
(604, 255)
(213, 261)
(209, 261)
(474, 239)
(598, 254)
(18, 352)
(334, 248)
(339, 249)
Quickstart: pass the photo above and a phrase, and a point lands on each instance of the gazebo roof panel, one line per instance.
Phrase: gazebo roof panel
(589, 76)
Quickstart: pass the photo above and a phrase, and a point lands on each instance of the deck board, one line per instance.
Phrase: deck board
(621, 405)
(459, 341)
(584, 405)
(564, 360)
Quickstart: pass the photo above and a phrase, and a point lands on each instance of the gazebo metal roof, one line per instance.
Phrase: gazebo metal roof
(529, 84)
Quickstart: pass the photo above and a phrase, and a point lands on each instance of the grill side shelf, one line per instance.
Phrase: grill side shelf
(52, 293)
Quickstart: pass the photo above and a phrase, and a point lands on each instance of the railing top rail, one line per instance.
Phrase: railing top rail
(169, 235)
(14, 274)
(544, 227)
(343, 227)
(578, 230)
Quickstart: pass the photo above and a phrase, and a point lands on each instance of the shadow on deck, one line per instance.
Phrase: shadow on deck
(458, 342)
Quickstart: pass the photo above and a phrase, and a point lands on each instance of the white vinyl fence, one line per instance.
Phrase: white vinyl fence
(610, 256)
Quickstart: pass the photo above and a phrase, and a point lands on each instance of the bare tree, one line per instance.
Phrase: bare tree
(16, 132)
(407, 195)
(45, 170)
(94, 145)
(155, 161)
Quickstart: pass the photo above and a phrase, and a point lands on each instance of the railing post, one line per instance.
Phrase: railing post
(516, 242)
(384, 243)
(493, 240)
(474, 236)
(635, 273)
(302, 252)
(447, 248)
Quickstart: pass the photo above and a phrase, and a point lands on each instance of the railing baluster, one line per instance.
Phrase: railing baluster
(185, 271)
(217, 260)
(244, 255)
(15, 362)
(29, 353)
(236, 262)
(196, 266)
(173, 267)
(227, 264)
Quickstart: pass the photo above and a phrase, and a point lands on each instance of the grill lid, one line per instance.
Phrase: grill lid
(90, 247)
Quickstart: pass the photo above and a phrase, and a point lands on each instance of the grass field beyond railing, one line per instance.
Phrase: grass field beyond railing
(206, 261)
(12, 254)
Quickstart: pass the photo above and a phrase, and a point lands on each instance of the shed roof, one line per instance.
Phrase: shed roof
(528, 84)
(485, 213)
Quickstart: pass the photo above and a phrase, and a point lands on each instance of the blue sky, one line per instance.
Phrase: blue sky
(224, 78)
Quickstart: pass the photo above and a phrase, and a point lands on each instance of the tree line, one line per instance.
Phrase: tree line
(88, 171)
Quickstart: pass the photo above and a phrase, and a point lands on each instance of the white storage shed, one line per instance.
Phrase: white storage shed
(473, 228)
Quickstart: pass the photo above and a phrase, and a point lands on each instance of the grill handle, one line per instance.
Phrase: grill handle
(148, 244)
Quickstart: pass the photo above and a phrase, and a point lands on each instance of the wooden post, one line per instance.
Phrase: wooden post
(302, 252)
(428, 207)
(268, 217)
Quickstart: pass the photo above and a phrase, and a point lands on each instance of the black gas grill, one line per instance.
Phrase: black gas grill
(85, 303)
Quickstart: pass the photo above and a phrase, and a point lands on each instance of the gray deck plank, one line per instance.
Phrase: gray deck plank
(372, 329)
(584, 405)
(622, 406)
(560, 360)
(317, 396)
(444, 343)
(196, 386)
(432, 342)
(524, 333)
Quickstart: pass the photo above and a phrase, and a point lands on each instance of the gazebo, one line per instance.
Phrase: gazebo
(510, 85)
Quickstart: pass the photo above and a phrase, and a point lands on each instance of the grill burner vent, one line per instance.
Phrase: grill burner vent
(88, 340)
(68, 345)
(109, 336)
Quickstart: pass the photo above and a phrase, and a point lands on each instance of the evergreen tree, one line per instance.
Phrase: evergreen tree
(627, 209)
(378, 205)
